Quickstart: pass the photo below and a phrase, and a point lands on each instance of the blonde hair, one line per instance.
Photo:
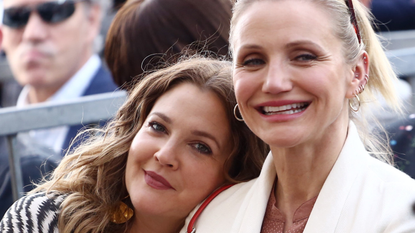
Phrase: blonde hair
(92, 175)
(382, 76)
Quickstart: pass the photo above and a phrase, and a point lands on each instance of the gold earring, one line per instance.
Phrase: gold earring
(122, 214)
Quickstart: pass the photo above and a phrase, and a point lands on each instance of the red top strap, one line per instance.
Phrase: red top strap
(190, 228)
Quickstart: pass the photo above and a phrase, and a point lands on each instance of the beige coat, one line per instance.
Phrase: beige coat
(361, 194)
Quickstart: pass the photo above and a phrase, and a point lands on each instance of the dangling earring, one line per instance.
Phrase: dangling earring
(122, 214)
(355, 108)
(236, 115)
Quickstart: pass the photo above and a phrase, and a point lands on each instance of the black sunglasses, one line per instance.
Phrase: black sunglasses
(50, 12)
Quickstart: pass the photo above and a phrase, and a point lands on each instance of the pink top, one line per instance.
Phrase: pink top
(274, 219)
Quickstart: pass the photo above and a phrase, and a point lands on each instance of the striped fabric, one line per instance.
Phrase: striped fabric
(35, 213)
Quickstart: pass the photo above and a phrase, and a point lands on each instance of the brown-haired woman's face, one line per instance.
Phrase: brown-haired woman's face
(177, 157)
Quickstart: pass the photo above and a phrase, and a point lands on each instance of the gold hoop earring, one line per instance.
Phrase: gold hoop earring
(122, 214)
(355, 108)
(234, 113)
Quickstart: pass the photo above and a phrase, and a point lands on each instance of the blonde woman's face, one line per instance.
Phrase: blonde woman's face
(176, 159)
(290, 77)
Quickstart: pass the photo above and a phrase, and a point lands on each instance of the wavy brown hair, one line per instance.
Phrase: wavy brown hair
(92, 175)
(144, 32)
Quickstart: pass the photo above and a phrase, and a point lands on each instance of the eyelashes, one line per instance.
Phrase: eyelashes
(157, 127)
(253, 62)
(306, 57)
(200, 147)
(257, 61)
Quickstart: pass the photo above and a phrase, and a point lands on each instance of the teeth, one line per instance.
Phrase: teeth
(292, 108)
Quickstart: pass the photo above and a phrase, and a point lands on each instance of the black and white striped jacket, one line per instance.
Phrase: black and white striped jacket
(36, 213)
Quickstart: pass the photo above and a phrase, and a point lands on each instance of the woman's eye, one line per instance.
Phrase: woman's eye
(306, 57)
(157, 127)
(201, 148)
(253, 62)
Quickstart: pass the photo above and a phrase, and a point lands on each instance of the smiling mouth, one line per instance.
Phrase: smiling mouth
(285, 109)
(156, 181)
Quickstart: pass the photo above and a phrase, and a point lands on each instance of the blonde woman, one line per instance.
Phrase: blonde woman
(304, 73)
(170, 145)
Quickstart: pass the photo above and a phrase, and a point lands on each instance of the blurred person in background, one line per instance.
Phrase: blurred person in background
(144, 33)
(50, 49)
(34, 163)
(49, 46)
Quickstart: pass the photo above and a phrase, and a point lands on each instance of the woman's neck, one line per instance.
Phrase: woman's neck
(302, 170)
(147, 224)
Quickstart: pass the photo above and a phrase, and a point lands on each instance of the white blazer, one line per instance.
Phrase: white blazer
(361, 194)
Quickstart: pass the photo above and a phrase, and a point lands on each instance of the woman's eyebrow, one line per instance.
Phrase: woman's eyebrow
(302, 42)
(207, 135)
(250, 46)
(195, 132)
(162, 116)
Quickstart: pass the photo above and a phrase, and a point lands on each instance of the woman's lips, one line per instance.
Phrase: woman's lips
(282, 107)
(156, 181)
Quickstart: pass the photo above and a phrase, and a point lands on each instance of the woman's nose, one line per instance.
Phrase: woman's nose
(167, 155)
(277, 79)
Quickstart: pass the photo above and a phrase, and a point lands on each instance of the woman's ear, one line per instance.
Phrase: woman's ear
(360, 76)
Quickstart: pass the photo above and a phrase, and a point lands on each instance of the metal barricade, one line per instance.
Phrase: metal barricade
(84, 110)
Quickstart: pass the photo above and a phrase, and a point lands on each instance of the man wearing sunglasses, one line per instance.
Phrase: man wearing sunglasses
(49, 46)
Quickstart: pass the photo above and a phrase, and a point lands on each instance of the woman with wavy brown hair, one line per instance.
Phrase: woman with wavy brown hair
(171, 144)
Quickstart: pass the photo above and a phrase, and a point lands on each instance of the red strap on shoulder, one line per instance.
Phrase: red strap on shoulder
(190, 228)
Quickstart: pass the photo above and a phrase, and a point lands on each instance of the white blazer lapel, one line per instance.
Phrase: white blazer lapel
(252, 211)
(332, 197)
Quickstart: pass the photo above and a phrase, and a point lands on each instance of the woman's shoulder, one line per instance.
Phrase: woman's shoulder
(231, 198)
(219, 214)
(390, 195)
(387, 175)
(33, 213)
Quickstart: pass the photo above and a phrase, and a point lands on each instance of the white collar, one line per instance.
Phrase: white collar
(256, 200)
(73, 88)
